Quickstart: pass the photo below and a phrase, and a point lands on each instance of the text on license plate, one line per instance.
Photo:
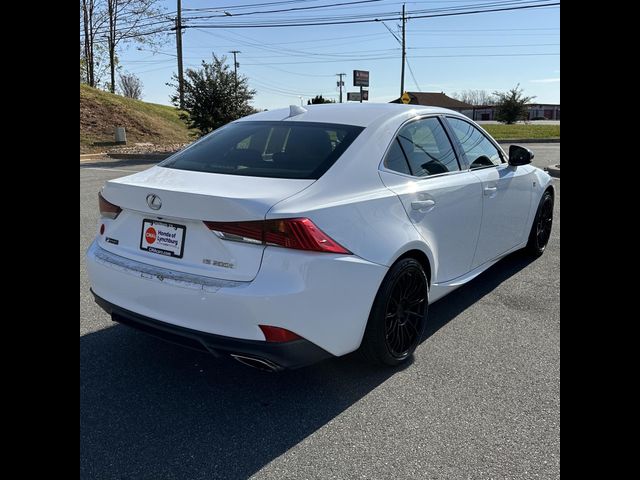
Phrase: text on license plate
(162, 238)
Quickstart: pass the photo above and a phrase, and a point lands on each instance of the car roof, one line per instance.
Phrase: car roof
(360, 114)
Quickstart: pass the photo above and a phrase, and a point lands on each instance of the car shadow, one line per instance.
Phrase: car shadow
(150, 409)
(449, 307)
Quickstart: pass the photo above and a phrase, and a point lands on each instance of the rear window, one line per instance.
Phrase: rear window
(268, 149)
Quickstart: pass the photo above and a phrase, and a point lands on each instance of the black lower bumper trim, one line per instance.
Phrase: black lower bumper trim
(288, 355)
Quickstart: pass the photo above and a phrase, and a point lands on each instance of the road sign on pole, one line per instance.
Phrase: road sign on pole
(405, 98)
(357, 96)
(360, 78)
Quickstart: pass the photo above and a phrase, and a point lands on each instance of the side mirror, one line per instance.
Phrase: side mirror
(519, 155)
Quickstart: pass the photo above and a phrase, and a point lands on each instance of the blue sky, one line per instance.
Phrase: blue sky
(488, 51)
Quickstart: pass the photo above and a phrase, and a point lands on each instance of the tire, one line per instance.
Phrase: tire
(541, 228)
(398, 315)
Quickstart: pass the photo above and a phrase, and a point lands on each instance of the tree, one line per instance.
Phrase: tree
(101, 66)
(475, 97)
(92, 19)
(210, 96)
(106, 24)
(319, 99)
(126, 23)
(130, 86)
(511, 106)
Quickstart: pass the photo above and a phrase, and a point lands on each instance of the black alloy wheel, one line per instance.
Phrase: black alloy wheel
(398, 315)
(541, 228)
(405, 312)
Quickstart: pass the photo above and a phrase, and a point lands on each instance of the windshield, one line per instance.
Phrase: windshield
(302, 150)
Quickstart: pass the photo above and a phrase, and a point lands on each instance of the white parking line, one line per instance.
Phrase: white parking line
(109, 169)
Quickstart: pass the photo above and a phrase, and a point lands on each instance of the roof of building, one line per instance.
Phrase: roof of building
(435, 99)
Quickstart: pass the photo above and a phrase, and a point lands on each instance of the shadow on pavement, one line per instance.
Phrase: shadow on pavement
(449, 307)
(149, 409)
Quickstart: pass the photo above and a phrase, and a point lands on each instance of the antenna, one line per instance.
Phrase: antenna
(296, 110)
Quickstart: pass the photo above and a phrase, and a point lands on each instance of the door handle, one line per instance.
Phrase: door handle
(490, 190)
(423, 205)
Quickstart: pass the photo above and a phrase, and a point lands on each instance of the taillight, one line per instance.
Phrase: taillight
(107, 209)
(297, 233)
(277, 334)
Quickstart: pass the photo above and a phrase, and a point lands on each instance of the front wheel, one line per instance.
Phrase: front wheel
(541, 228)
(398, 315)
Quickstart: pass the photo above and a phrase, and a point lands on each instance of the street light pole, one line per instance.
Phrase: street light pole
(340, 83)
(404, 52)
(235, 70)
(179, 48)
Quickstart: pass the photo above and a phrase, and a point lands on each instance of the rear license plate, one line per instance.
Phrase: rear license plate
(162, 238)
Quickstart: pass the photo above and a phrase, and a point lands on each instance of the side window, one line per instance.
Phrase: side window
(395, 159)
(480, 152)
(426, 148)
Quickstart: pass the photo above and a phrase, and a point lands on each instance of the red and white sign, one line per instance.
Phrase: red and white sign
(150, 235)
(162, 238)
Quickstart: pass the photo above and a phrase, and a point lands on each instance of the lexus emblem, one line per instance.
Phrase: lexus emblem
(154, 201)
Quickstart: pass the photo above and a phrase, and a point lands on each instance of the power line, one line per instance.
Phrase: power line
(488, 46)
(481, 29)
(293, 73)
(300, 53)
(284, 91)
(365, 54)
(366, 38)
(227, 14)
(412, 75)
(342, 19)
(502, 3)
(420, 56)
(362, 54)
(370, 20)
(251, 5)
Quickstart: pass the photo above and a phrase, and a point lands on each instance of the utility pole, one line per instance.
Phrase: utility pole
(179, 47)
(404, 51)
(340, 83)
(235, 70)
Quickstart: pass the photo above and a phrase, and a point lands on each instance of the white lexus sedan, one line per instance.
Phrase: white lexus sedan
(299, 234)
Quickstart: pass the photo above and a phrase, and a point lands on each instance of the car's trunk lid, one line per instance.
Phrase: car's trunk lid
(186, 199)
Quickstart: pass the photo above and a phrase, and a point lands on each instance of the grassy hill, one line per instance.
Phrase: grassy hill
(101, 112)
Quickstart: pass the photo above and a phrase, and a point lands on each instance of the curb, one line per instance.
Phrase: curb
(530, 140)
(553, 170)
(140, 156)
(89, 157)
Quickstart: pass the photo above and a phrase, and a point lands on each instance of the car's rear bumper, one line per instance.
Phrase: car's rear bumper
(324, 298)
(259, 354)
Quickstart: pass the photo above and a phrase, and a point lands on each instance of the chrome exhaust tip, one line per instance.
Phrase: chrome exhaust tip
(260, 364)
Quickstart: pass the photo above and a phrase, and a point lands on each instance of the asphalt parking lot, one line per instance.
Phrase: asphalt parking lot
(480, 400)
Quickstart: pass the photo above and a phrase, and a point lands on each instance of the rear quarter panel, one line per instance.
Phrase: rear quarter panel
(352, 205)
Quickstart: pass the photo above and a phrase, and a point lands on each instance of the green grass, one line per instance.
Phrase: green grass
(506, 132)
(101, 112)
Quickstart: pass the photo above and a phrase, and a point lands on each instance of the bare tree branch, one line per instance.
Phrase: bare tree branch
(130, 86)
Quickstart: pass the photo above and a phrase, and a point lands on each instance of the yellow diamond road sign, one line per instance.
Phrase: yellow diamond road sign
(405, 98)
